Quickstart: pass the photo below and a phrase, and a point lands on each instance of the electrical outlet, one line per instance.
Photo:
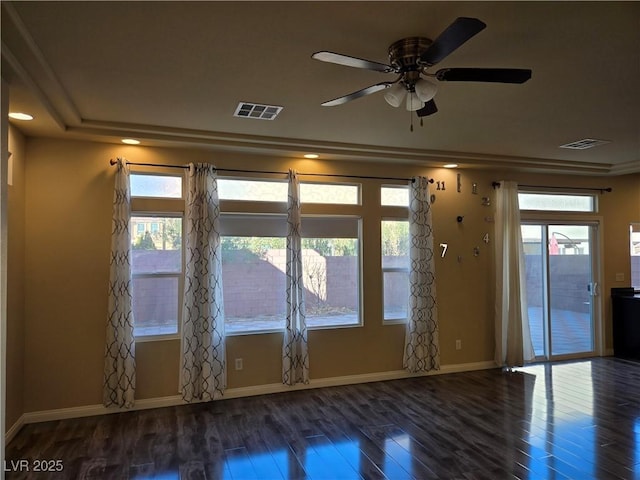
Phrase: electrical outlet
(458, 344)
(239, 364)
(619, 277)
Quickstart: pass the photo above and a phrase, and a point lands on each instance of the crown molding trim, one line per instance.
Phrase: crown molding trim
(330, 150)
(38, 75)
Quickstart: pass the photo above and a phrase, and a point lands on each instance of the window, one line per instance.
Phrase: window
(395, 268)
(277, 191)
(338, 194)
(252, 190)
(394, 236)
(154, 185)
(634, 245)
(331, 270)
(254, 283)
(394, 196)
(156, 269)
(254, 254)
(254, 271)
(557, 202)
(156, 254)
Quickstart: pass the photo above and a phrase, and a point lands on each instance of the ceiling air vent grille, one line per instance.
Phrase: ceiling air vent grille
(257, 111)
(584, 144)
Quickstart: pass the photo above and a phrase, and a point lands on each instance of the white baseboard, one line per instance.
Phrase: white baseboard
(173, 400)
(13, 431)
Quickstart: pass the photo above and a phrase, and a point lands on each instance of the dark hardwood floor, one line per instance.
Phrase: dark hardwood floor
(576, 420)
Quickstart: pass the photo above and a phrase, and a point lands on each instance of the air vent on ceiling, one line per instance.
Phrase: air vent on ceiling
(257, 111)
(584, 144)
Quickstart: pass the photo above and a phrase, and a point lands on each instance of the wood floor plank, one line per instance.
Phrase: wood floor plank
(573, 420)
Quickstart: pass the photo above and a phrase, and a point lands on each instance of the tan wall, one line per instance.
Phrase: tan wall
(15, 278)
(619, 211)
(68, 203)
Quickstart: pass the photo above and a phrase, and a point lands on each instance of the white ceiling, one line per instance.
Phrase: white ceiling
(172, 73)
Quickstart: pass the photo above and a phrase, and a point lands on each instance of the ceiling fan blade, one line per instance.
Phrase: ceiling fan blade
(461, 30)
(499, 75)
(428, 109)
(360, 93)
(348, 61)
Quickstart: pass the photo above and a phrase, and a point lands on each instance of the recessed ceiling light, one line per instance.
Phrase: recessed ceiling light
(451, 165)
(311, 155)
(20, 116)
(130, 141)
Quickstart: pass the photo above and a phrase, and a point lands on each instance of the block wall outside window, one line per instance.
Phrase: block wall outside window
(157, 275)
(395, 268)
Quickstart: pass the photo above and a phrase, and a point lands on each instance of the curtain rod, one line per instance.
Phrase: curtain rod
(584, 189)
(113, 162)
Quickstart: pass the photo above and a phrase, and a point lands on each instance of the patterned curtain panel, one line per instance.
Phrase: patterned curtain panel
(421, 352)
(119, 362)
(203, 373)
(295, 359)
(513, 338)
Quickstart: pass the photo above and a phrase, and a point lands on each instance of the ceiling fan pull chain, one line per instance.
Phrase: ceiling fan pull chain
(411, 117)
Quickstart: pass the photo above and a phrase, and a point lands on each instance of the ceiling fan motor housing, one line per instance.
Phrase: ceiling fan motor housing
(404, 56)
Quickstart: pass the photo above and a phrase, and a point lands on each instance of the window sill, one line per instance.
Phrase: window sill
(156, 338)
(154, 334)
(395, 321)
(280, 328)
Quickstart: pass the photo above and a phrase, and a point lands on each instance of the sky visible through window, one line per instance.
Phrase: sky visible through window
(167, 186)
(558, 203)
(394, 196)
(277, 191)
(159, 186)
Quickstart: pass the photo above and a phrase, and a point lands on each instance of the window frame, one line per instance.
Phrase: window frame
(283, 186)
(308, 209)
(163, 173)
(233, 234)
(563, 193)
(359, 268)
(161, 207)
(145, 206)
(359, 274)
(392, 213)
(396, 186)
(383, 270)
(358, 186)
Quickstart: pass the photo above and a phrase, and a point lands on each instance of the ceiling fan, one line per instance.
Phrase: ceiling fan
(410, 59)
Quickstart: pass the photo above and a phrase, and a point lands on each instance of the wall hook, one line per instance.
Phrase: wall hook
(459, 218)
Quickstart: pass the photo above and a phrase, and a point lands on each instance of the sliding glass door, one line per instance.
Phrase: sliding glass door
(561, 290)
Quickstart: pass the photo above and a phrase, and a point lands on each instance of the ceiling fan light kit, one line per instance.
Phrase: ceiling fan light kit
(425, 89)
(395, 95)
(413, 102)
(410, 58)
